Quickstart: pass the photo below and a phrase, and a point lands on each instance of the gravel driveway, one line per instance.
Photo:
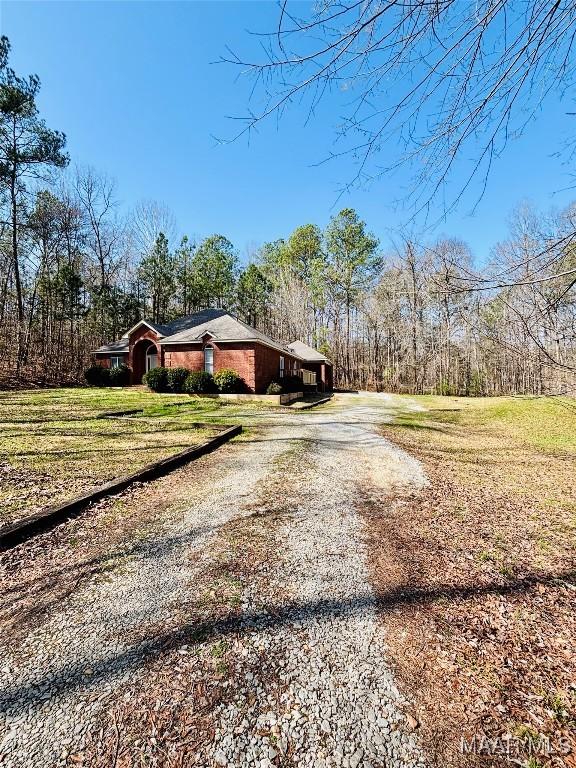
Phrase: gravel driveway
(322, 694)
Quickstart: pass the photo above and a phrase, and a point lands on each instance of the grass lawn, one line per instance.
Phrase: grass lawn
(484, 560)
(546, 423)
(53, 445)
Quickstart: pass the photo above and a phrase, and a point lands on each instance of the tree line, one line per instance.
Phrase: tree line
(418, 317)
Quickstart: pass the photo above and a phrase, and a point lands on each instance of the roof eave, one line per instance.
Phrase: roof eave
(319, 358)
(110, 352)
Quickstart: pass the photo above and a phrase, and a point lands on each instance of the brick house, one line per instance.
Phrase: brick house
(210, 340)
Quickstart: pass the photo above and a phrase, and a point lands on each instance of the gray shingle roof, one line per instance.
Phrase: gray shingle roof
(307, 353)
(163, 330)
(223, 327)
(115, 346)
(220, 324)
(182, 324)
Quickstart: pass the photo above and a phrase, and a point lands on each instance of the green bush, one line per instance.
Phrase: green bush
(97, 376)
(177, 378)
(156, 379)
(229, 381)
(444, 388)
(120, 376)
(274, 388)
(292, 384)
(475, 387)
(199, 383)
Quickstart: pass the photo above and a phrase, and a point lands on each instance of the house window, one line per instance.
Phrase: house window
(281, 366)
(209, 359)
(116, 361)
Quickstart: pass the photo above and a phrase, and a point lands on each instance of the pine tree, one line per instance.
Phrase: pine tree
(156, 271)
(27, 149)
(253, 295)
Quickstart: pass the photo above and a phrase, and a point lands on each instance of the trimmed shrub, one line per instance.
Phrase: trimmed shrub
(199, 383)
(92, 376)
(156, 379)
(97, 376)
(229, 381)
(292, 384)
(120, 376)
(274, 388)
(177, 378)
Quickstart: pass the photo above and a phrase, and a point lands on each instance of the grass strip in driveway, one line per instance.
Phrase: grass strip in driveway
(54, 444)
(11, 535)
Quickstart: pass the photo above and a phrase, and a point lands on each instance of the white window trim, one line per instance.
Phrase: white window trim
(119, 361)
(281, 366)
(209, 364)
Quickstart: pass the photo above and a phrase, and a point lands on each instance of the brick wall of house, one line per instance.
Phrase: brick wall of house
(238, 356)
(267, 366)
(189, 356)
(143, 333)
(136, 355)
(105, 361)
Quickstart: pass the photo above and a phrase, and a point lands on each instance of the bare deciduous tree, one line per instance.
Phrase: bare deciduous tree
(149, 219)
(447, 79)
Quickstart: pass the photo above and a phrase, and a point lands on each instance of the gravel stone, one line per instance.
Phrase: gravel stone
(331, 692)
(329, 649)
(86, 648)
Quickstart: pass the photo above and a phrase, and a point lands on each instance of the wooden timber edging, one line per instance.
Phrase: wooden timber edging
(113, 414)
(13, 534)
(134, 411)
(305, 406)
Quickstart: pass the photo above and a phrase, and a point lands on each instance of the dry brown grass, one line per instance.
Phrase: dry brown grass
(476, 575)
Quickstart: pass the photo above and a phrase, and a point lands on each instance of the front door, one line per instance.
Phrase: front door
(151, 360)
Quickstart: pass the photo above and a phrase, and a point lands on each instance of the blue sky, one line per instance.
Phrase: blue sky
(133, 87)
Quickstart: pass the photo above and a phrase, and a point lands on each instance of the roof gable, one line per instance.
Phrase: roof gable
(158, 329)
(180, 324)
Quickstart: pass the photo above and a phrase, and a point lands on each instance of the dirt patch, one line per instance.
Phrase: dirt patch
(476, 582)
